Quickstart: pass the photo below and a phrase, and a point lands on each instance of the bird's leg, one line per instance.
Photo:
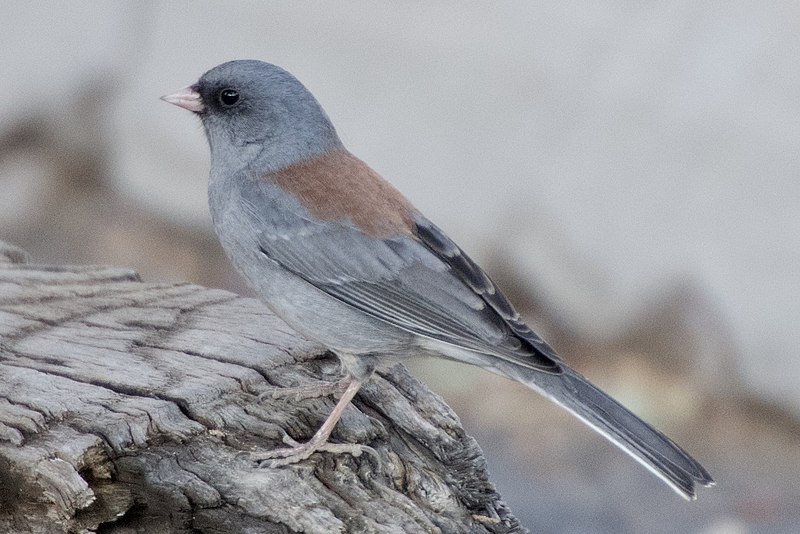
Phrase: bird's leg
(308, 391)
(301, 451)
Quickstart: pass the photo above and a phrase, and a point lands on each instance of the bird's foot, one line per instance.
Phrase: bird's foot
(297, 452)
(309, 391)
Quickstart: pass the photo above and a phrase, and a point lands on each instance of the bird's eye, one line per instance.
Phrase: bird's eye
(228, 97)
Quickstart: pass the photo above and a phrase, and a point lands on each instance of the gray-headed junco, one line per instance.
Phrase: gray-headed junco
(346, 260)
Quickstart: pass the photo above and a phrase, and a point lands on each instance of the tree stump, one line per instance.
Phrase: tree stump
(134, 407)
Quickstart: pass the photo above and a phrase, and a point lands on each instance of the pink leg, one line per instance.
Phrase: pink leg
(301, 451)
(309, 391)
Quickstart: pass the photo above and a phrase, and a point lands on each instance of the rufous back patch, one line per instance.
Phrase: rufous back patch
(339, 186)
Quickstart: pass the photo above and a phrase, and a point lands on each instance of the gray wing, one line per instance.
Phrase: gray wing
(470, 273)
(422, 283)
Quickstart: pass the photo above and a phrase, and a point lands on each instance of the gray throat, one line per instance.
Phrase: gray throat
(279, 148)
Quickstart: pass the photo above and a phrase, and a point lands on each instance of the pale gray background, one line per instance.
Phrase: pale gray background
(606, 153)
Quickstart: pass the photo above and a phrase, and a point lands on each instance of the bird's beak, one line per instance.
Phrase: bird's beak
(186, 98)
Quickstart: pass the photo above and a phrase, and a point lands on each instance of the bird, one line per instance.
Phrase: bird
(345, 259)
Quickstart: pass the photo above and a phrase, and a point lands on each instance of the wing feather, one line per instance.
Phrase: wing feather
(424, 284)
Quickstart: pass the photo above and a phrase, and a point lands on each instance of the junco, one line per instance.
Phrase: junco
(345, 259)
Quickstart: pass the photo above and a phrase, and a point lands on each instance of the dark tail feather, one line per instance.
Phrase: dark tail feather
(647, 445)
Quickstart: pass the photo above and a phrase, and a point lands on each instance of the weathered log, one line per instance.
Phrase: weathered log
(131, 406)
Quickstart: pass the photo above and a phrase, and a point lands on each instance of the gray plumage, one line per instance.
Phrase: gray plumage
(367, 294)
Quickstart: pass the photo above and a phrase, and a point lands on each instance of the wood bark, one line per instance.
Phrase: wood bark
(134, 407)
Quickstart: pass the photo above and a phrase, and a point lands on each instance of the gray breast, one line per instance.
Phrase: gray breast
(246, 215)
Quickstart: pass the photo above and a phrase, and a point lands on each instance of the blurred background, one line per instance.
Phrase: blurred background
(628, 173)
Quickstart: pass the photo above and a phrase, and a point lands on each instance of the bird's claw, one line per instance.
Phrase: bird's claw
(309, 391)
(297, 452)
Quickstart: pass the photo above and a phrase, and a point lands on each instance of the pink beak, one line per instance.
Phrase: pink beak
(186, 98)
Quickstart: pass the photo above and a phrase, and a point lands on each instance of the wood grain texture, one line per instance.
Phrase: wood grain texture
(133, 407)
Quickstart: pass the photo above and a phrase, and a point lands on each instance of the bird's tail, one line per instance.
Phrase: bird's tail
(644, 443)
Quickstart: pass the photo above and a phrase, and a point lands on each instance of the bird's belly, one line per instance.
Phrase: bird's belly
(307, 309)
(322, 318)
